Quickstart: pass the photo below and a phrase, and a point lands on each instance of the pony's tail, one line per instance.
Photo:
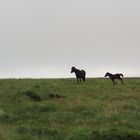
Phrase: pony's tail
(121, 75)
(83, 75)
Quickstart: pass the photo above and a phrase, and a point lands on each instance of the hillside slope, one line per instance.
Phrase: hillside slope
(57, 109)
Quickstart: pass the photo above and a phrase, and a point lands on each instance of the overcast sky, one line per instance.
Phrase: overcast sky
(45, 38)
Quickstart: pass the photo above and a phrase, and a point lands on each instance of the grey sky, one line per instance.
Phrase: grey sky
(44, 38)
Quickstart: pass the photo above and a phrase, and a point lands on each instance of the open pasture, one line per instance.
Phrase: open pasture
(61, 109)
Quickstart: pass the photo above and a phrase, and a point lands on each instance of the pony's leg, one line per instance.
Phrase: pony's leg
(84, 79)
(80, 80)
(113, 81)
(122, 81)
(77, 80)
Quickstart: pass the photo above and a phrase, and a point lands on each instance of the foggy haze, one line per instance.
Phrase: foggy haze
(44, 39)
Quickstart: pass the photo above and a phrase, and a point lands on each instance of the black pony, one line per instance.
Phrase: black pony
(80, 74)
(115, 76)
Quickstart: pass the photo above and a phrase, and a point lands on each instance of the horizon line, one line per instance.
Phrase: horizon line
(60, 77)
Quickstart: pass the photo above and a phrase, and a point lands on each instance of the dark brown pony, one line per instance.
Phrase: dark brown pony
(80, 74)
(115, 76)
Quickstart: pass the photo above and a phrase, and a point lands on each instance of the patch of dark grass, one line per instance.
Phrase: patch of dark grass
(36, 86)
(13, 119)
(4, 118)
(32, 95)
(55, 96)
(51, 95)
(50, 107)
(113, 134)
(47, 132)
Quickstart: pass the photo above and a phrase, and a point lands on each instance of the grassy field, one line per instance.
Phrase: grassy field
(60, 109)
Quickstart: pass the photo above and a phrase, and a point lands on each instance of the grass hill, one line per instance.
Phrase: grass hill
(61, 109)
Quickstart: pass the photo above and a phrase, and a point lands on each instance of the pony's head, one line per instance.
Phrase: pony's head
(73, 69)
(107, 74)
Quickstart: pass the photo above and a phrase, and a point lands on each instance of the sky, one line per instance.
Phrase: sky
(45, 38)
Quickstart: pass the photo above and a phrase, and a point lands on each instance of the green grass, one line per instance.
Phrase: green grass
(61, 109)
